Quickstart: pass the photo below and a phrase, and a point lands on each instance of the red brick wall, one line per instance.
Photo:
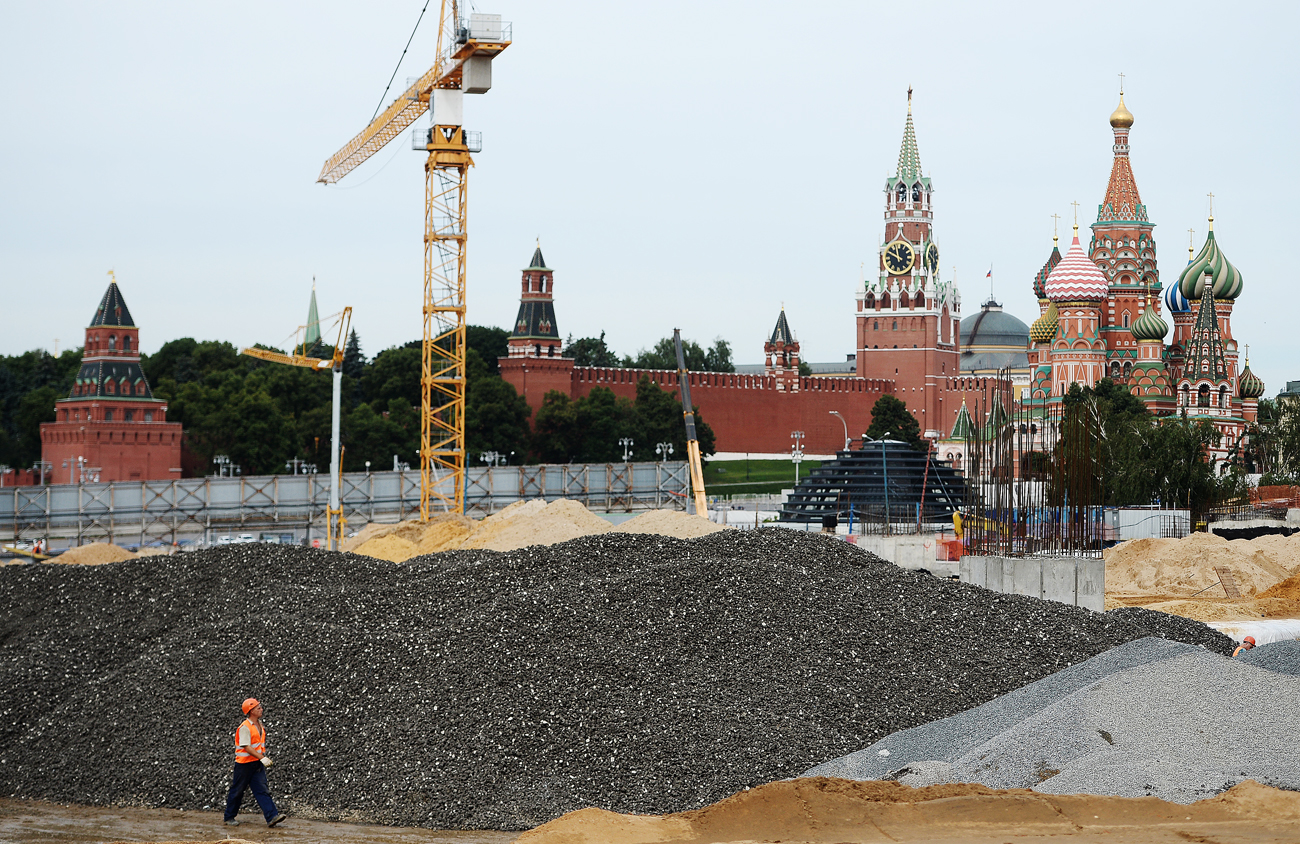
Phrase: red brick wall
(124, 451)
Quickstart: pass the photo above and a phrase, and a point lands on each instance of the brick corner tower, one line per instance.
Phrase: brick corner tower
(111, 428)
(534, 365)
(781, 356)
(908, 320)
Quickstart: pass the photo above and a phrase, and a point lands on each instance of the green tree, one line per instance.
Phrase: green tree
(490, 343)
(496, 417)
(394, 374)
(889, 415)
(354, 361)
(30, 383)
(664, 356)
(805, 370)
(658, 418)
(556, 436)
(590, 351)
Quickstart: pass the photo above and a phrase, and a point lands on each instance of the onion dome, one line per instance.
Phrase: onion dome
(1227, 278)
(1121, 118)
(1044, 328)
(1249, 385)
(1149, 326)
(1175, 301)
(1041, 279)
(1076, 278)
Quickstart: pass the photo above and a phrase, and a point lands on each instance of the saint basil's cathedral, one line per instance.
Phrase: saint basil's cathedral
(1100, 316)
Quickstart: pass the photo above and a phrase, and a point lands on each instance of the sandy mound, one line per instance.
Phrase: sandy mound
(669, 523)
(94, 554)
(444, 534)
(822, 809)
(535, 522)
(524, 523)
(390, 547)
(1209, 610)
(1288, 589)
(1185, 567)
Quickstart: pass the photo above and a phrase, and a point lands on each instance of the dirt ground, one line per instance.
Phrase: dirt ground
(36, 822)
(822, 810)
(818, 810)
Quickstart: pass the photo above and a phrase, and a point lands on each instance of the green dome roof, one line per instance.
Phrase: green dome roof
(1249, 385)
(1149, 326)
(1227, 278)
(1044, 328)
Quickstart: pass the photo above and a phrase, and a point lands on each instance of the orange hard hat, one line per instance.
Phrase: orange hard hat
(1250, 640)
(251, 704)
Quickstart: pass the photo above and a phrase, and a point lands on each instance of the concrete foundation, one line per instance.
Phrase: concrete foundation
(1078, 581)
(909, 551)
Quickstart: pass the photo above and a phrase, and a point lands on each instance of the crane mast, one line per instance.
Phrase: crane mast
(465, 50)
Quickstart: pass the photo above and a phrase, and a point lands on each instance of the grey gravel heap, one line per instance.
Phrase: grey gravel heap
(1160, 719)
(477, 689)
(1282, 657)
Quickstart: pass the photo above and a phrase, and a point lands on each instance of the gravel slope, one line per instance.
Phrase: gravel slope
(478, 689)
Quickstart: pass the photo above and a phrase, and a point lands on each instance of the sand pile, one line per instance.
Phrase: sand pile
(390, 547)
(522, 524)
(1185, 567)
(94, 554)
(669, 523)
(821, 810)
(535, 522)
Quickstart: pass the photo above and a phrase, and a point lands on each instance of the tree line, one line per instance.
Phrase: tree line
(264, 415)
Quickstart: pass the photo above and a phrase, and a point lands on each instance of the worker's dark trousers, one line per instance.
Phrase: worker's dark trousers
(250, 775)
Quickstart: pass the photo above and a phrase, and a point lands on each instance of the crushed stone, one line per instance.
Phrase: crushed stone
(1159, 719)
(632, 672)
(1282, 657)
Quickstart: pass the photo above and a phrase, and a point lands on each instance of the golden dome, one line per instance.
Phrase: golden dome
(1121, 118)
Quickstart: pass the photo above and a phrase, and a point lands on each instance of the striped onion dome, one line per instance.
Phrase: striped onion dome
(1249, 385)
(1041, 278)
(1044, 328)
(1149, 326)
(1175, 301)
(1076, 278)
(1227, 278)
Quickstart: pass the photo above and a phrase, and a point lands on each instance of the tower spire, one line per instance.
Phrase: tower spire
(909, 158)
(1122, 202)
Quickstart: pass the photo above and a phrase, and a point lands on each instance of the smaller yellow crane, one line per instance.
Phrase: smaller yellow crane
(334, 516)
(692, 442)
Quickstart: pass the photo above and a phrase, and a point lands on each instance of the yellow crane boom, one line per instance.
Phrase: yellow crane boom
(462, 67)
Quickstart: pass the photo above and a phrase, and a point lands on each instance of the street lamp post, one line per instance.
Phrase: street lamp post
(796, 453)
(664, 450)
(847, 442)
(44, 467)
(626, 442)
(223, 465)
(492, 458)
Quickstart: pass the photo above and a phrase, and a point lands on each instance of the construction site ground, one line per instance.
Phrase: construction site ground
(815, 811)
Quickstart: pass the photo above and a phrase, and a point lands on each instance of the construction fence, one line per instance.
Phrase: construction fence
(164, 512)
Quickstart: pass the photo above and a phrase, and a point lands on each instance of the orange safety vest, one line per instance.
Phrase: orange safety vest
(1240, 650)
(256, 741)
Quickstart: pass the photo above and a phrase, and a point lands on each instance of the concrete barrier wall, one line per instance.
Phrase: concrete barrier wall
(909, 551)
(1078, 581)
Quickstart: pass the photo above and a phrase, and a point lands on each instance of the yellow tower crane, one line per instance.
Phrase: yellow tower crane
(465, 49)
(334, 521)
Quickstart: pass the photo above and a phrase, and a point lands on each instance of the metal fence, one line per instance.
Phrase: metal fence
(146, 512)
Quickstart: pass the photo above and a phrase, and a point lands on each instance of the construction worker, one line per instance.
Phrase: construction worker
(251, 763)
(1246, 644)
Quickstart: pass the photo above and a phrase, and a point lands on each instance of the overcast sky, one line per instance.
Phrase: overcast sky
(689, 165)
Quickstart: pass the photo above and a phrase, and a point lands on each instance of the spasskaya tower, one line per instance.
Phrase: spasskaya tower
(908, 319)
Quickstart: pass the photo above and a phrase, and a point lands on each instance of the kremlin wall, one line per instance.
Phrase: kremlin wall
(1099, 316)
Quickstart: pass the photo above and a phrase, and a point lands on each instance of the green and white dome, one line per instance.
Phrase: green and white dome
(1227, 278)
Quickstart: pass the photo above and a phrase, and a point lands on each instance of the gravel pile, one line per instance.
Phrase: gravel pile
(1282, 657)
(1147, 718)
(479, 689)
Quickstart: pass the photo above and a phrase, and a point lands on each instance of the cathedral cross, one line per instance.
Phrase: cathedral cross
(1121, 84)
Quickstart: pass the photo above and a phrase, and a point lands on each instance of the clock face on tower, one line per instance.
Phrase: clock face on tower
(899, 257)
(932, 258)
